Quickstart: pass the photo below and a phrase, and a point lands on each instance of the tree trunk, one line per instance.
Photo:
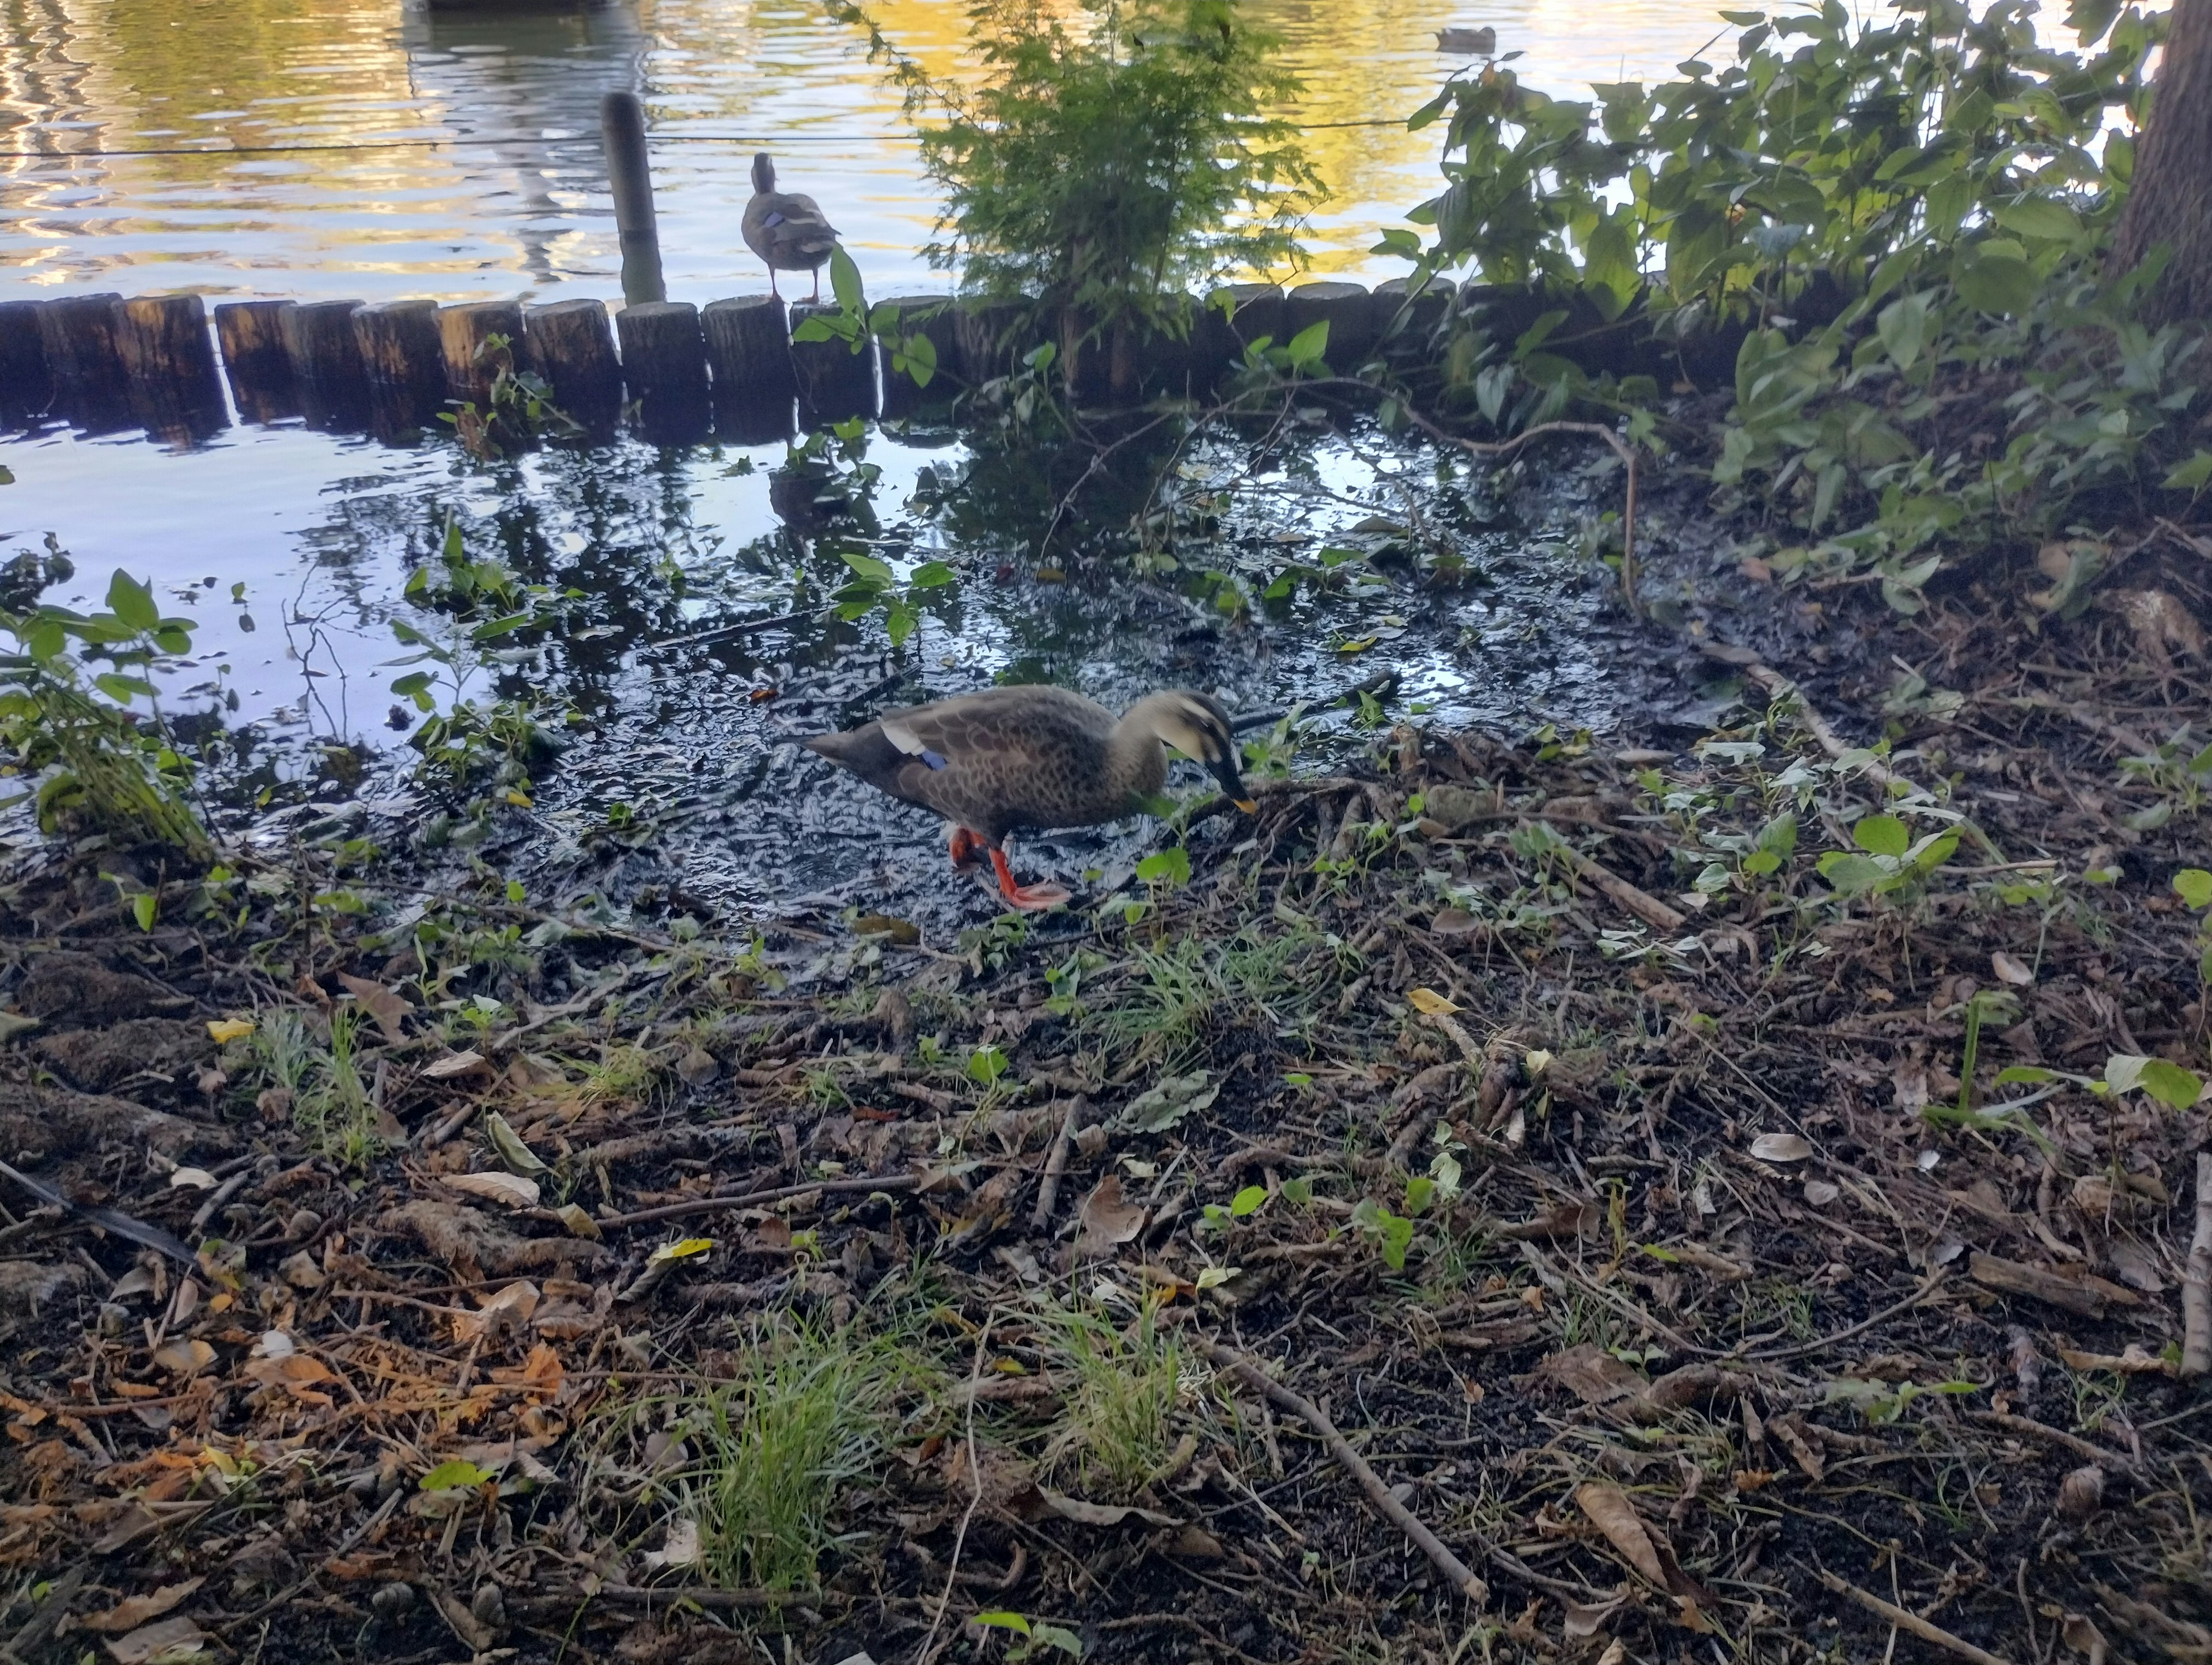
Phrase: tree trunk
(2170, 200)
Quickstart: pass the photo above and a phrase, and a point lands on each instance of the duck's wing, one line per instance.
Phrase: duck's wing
(1005, 758)
(791, 229)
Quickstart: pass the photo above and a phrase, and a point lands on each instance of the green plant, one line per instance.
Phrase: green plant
(1889, 860)
(321, 1081)
(1111, 161)
(804, 1416)
(1035, 1636)
(520, 407)
(1116, 1430)
(1891, 213)
(2179, 770)
(1392, 1234)
(70, 722)
(856, 324)
(2193, 886)
(474, 612)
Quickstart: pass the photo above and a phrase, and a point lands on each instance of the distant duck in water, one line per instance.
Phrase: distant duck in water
(1027, 759)
(785, 229)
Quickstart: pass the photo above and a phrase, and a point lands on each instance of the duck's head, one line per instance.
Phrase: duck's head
(1195, 725)
(763, 173)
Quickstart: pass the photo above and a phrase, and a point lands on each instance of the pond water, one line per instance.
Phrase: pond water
(465, 161)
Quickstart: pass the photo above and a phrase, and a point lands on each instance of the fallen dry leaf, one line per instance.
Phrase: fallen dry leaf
(159, 1644)
(2082, 1493)
(1780, 1147)
(511, 1189)
(389, 1010)
(503, 1309)
(1108, 1219)
(133, 1611)
(2010, 970)
(185, 1357)
(454, 1064)
(2081, 1635)
(1611, 1512)
(1593, 1375)
(1821, 1192)
(1041, 1500)
(2132, 1361)
(1454, 922)
(1429, 1004)
(681, 1547)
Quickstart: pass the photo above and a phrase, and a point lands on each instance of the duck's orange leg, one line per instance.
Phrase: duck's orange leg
(1030, 898)
(968, 847)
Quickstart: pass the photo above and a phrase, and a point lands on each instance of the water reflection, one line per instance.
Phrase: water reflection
(511, 196)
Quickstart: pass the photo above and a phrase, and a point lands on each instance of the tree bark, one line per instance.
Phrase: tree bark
(2170, 200)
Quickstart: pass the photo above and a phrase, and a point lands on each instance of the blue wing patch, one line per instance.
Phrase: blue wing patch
(773, 219)
(935, 760)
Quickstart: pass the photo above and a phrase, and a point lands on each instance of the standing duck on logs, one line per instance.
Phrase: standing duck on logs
(787, 230)
(1027, 759)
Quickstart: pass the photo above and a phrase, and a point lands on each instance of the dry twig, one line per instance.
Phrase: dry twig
(2196, 1281)
(1911, 1623)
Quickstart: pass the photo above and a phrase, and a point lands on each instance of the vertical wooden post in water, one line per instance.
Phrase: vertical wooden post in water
(79, 333)
(630, 175)
(326, 371)
(255, 359)
(169, 357)
(1233, 317)
(25, 387)
(463, 330)
(1348, 310)
(835, 382)
(406, 363)
(571, 345)
(749, 351)
(665, 366)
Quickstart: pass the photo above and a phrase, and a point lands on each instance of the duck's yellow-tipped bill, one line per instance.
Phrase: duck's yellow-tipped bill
(1249, 806)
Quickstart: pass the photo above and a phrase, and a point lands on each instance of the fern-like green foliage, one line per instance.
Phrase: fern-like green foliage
(1113, 165)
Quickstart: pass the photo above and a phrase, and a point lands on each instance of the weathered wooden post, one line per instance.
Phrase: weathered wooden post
(984, 344)
(665, 369)
(462, 331)
(404, 361)
(1406, 318)
(835, 382)
(749, 351)
(169, 357)
(1348, 310)
(255, 359)
(326, 370)
(630, 175)
(27, 388)
(931, 316)
(79, 334)
(572, 346)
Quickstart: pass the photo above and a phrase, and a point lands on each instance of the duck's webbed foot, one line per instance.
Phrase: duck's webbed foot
(1029, 898)
(968, 847)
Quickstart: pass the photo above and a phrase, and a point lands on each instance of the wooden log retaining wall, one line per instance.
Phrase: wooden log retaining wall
(680, 373)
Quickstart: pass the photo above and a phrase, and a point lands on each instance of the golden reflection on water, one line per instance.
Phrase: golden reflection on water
(513, 198)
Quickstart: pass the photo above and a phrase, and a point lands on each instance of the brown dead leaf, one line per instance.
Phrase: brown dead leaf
(454, 1065)
(133, 1611)
(2132, 1361)
(2011, 970)
(297, 1373)
(1611, 1512)
(1780, 1147)
(504, 1310)
(2163, 626)
(1572, 1219)
(1108, 1220)
(185, 1357)
(2081, 1633)
(159, 1644)
(511, 1189)
(1042, 1500)
(1593, 1375)
(389, 1010)
(1802, 1451)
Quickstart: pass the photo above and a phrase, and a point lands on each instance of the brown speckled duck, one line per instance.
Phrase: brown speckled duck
(789, 231)
(1027, 759)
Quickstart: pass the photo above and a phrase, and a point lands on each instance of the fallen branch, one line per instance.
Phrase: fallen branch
(1911, 1623)
(1455, 1572)
(2196, 1281)
(1642, 903)
(2029, 1428)
(1778, 687)
(1056, 1166)
(676, 1211)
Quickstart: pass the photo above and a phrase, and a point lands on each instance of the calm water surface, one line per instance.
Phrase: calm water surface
(509, 198)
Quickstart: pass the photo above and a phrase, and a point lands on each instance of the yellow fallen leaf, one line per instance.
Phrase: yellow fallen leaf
(227, 1030)
(1429, 1002)
(517, 797)
(683, 1248)
(1358, 645)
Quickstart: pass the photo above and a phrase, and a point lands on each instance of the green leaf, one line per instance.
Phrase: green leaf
(985, 1065)
(455, 1475)
(1397, 1238)
(996, 1620)
(2176, 1088)
(121, 688)
(2190, 476)
(2040, 217)
(1903, 327)
(932, 575)
(2025, 1075)
(1298, 1192)
(132, 602)
(845, 283)
(1882, 834)
(146, 909)
(868, 569)
(1995, 283)
(2193, 886)
(918, 358)
(1247, 1202)
(1853, 875)
(815, 328)
(1170, 866)
(1420, 1192)
(1308, 345)
(1057, 1636)
(518, 1158)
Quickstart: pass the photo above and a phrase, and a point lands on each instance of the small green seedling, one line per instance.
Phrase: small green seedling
(1035, 1636)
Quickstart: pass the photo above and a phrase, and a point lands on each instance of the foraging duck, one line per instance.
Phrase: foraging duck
(1026, 759)
(787, 230)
